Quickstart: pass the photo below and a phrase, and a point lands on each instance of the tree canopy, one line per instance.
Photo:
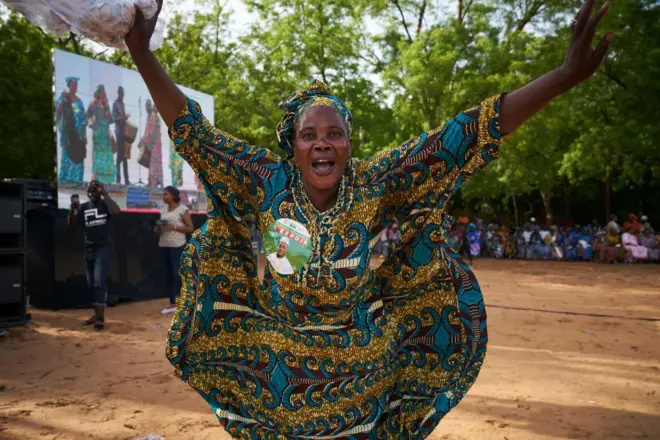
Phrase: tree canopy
(403, 67)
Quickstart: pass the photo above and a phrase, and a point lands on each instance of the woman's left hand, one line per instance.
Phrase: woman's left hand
(582, 60)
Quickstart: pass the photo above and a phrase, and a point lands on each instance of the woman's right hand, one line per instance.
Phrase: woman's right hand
(139, 36)
(166, 95)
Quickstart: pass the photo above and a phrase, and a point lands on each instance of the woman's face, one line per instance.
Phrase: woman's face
(167, 197)
(321, 147)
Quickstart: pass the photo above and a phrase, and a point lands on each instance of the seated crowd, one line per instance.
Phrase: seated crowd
(631, 243)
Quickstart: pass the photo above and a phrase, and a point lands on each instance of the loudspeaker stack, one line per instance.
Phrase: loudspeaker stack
(13, 295)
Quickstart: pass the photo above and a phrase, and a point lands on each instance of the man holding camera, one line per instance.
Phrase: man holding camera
(94, 217)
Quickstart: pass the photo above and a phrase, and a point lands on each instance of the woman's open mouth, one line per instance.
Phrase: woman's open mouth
(323, 167)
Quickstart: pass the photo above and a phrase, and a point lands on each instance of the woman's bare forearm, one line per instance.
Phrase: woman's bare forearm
(520, 105)
(169, 99)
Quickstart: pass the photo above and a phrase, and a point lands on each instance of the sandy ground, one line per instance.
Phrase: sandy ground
(549, 374)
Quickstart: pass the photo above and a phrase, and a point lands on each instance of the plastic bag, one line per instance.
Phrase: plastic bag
(104, 21)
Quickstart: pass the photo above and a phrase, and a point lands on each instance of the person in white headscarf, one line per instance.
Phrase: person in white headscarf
(645, 223)
(278, 259)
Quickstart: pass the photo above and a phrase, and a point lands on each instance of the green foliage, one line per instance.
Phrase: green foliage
(403, 67)
(26, 92)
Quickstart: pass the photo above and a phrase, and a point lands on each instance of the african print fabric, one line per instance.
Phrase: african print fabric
(70, 172)
(334, 350)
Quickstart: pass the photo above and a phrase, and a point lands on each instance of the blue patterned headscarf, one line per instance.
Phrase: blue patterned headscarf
(318, 94)
(69, 79)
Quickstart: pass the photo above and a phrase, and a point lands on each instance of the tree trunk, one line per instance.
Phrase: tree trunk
(547, 206)
(403, 19)
(460, 11)
(420, 19)
(608, 193)
(528, 214)
(515, 210)
(567, 201)
(217, 31)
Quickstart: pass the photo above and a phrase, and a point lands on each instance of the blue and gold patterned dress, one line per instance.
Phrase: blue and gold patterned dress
(70, 172)
(334, 350)
(103, 166)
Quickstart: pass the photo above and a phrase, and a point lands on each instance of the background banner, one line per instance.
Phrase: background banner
(89, 144)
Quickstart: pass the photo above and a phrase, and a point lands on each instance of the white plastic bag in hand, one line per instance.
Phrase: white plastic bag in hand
(104, 21)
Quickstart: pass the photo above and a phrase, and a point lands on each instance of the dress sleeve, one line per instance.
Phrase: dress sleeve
(235, 174)
(422, 174)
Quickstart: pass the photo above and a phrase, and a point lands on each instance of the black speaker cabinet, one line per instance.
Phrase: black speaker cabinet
(12, 277)
(13, 297)
(12, 216)
(56, 271)
(55, 267)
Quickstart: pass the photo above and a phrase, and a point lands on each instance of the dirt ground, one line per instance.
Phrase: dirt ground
(574, 352)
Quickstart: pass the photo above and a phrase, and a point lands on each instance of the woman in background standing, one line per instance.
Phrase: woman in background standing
(175, 222)
(100, 117)
(153, 143)
(71, 122)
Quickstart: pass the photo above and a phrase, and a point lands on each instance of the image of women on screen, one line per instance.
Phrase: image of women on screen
(71, 121)
(100, 118)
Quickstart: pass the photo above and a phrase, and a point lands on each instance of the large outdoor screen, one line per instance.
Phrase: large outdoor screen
(123, 143)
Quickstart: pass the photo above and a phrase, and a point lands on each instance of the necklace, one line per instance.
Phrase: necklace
(320, 223)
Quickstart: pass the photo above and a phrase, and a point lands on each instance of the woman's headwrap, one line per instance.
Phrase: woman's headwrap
(318, 94)
(99, 90)
(71, 79)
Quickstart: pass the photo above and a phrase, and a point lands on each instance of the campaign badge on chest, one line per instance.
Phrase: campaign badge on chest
(288, 246)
